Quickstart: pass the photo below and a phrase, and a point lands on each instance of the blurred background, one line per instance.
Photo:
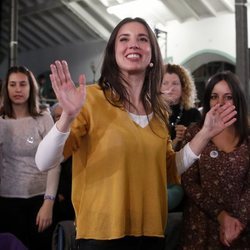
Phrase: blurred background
(206, 36)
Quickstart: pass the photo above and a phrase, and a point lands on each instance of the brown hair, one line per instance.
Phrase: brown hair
(189, 94)
(111, 76)
(241, 125)
(33, 101)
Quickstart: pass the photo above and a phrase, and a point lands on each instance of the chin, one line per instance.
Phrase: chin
(19, 102)
(173, 102)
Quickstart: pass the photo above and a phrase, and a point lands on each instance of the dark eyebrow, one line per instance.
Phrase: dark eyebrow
(127, 34)
(214, 93)
(124, 34)
(18, 81)
(144, 35)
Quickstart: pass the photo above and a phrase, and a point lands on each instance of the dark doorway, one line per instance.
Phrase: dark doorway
(202, 74)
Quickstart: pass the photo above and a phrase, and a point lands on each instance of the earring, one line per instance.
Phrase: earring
(151, 65)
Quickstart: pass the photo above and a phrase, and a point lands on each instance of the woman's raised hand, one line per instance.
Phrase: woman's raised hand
(218, 118)
(70, 97)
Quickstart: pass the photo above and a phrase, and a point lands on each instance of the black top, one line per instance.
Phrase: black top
(63, 209)
(182, 116)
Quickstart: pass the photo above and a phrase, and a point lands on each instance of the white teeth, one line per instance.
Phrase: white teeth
(133, 56)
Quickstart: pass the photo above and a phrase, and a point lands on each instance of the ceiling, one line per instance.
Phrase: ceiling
(51, 23)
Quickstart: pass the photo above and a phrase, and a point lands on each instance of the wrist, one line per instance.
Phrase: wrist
(49, 197)
(64, 123)
(221, 216)
(204, 134)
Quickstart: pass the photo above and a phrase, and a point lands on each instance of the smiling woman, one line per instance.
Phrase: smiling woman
(119, 142)
(133, 50)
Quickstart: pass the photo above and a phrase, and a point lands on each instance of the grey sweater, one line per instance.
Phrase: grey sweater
(19, 176)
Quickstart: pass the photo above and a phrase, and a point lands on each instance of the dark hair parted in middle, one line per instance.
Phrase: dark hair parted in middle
(239, 100)
(33, 101)
(111, 77)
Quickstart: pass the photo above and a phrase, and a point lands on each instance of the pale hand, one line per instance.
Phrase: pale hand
(70, 97)
(218, 118)
(44, 216)
(230, 228)
(180, 132)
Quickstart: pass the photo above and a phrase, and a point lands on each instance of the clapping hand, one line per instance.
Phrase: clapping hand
(180, 132)
(71, 98)
(218, 118)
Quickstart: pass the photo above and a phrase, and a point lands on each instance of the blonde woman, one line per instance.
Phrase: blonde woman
(179, 91)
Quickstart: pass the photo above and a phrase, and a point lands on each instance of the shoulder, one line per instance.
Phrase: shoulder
(95, 97)
(45, 118)
(2, 125)
(45, 114)
(94, 89)
(193, 111)
(94, 93)
(95, 101)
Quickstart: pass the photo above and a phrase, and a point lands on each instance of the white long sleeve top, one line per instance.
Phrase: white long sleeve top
(55, 141)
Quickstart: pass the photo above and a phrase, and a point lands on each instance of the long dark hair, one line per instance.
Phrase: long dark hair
(111, 77)
(241, 125)
(33, 100)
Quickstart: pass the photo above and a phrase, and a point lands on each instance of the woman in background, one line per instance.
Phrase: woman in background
(26, 194)
(179, 91)
(217, 186)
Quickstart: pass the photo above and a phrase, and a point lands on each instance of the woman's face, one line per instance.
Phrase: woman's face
(18, 88)
(133, 48)
(221, 94)
(171, 88)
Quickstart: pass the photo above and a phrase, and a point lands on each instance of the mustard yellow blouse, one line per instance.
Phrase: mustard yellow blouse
(119, 171)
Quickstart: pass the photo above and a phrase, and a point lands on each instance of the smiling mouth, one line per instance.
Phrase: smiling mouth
(133, 56)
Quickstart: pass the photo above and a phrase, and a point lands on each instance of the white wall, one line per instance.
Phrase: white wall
(184, 41)
(193, 37)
